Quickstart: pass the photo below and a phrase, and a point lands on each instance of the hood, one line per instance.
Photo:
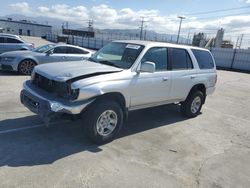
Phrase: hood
(65, 71)
(18, 53)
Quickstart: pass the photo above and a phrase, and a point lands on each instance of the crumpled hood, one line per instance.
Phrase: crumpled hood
(64, 71)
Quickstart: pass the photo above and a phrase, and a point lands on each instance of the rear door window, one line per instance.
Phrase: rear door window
(204, 59)
(1, 40)
(180, 59)
(13, 41)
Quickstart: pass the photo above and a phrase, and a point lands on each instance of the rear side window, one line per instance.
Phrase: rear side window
(204, 59)
(180, 59)
(14, 41)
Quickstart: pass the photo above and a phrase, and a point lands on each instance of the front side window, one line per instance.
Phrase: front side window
(157, 55)
(11, 40)
(118, 54)
(204, 59)
(180, 59)
(60, 50)
(71, 50)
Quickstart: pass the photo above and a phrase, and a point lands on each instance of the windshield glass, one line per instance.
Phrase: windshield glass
(44, 48)
(117, 54)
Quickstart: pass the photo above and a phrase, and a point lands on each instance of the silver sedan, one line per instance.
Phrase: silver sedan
(25, 61)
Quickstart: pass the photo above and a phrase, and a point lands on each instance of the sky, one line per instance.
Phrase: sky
(160, 15)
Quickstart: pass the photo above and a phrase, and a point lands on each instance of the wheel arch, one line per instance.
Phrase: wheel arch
(114, 96)
(199, 87)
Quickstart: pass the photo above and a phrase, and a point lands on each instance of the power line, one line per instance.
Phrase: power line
(206, 18)
(218, 10)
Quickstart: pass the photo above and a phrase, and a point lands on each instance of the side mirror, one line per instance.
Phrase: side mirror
(147, 67)
(50, 52)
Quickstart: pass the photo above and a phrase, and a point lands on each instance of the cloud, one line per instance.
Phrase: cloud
(64, 12)
(22, 7)
(105, 16)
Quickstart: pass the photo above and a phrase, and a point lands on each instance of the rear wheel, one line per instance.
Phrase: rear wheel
(26, 67)
(191, 107)
(102, 121)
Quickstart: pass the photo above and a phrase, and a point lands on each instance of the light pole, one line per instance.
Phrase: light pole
(178, 36)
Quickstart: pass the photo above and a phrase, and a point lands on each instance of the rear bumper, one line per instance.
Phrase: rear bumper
(44, 105)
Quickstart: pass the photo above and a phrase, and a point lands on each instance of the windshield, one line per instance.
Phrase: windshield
(117, 54)
(44, 48)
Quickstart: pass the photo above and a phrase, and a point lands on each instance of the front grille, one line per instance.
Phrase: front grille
(51, 86)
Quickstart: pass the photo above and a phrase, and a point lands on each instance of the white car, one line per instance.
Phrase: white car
(121, 77)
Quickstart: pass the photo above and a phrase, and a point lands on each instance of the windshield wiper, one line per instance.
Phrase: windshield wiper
(109, 63)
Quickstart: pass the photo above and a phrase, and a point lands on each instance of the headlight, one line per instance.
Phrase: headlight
(7, 59)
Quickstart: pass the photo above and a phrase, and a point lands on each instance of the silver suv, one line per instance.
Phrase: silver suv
(121, 77)
(10, 42)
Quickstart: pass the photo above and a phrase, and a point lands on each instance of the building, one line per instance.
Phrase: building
(24, 27)
(199, 40)
(227, 44)
(219, 38)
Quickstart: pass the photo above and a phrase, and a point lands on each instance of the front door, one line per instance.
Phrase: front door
(152, 88)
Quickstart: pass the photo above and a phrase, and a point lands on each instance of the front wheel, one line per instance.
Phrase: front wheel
(191, 107)
(102, 121)
(26, 67)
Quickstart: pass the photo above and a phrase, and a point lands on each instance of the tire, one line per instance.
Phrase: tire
(191, 107)
(26, 66)
(100, 115)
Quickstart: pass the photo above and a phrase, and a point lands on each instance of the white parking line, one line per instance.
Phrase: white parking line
(21, 129)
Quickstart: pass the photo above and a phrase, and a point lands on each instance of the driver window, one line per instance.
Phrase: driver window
(60, 50)
(157, 55)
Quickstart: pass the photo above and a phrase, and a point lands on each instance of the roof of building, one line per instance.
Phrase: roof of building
(23, 22)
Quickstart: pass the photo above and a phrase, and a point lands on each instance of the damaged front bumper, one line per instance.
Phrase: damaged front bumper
(45, 105)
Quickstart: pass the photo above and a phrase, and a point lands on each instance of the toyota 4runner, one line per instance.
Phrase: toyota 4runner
(121, 77)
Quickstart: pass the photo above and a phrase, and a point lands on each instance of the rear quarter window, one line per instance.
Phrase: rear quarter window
(204, 59)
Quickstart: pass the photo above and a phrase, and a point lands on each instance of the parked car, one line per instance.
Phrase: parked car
(10, 42)
(121, 77)
(25, 61)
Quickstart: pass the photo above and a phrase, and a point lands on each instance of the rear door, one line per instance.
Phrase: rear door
(1, 45)
(183, 73)
(12, 44)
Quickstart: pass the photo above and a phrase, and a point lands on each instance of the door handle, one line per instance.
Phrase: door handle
(64, 57)
(164, 79)
(193, 76)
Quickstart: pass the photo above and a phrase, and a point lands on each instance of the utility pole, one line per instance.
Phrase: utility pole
(142, 25)
(178, 36)
(145, 32)
(241, 39)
